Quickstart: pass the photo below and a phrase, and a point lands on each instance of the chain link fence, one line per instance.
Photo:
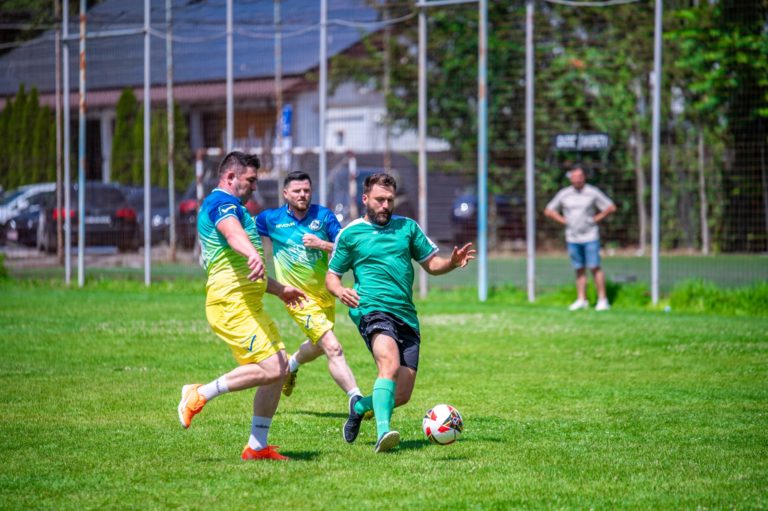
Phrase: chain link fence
(593, 82)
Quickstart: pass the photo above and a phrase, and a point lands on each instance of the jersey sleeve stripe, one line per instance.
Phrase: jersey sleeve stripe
(431, 254)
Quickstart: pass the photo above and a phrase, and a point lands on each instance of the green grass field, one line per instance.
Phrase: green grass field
(552, 271)
(627, 409)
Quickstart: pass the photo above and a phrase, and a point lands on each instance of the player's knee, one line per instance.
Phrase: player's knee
(276, 371)
(333, 349)
(402, 399)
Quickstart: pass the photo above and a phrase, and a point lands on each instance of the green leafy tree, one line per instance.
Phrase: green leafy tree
(42, 160)
(722, 71)
(17, 137)
(159, 150)
(27, 141)
(123, 150)
(6, 143)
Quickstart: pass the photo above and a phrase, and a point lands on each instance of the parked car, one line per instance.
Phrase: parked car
(17, 200)
(338, 194)
(108, 218)
(22, 228)
(186, 223)
(159, 210)
(509, 215)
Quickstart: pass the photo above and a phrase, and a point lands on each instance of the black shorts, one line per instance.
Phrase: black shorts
(408, 339)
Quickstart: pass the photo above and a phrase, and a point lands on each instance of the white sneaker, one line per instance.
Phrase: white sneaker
(602, 305)
(579, 305)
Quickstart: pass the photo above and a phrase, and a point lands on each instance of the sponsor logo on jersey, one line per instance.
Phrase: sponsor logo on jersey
(285, 225)
(223, 210)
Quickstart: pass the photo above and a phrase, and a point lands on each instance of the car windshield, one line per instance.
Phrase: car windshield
(9, 196)
(104, 196)
(158, 199)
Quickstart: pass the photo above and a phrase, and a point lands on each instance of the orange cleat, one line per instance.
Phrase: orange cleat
(191, 403)
(268, 453)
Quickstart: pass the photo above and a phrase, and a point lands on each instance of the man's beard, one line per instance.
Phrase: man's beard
(381, 218)
(299, 207)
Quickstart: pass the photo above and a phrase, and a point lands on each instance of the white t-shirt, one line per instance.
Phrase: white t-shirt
(579, 208)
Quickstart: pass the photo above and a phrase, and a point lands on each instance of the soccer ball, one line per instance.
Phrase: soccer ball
(443, 424)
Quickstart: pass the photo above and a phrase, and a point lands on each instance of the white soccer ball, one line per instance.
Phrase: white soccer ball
(442, 424)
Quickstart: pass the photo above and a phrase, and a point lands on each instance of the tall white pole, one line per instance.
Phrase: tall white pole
(655, 170)
(81, 157)
(57, 49)
(423, 283)
(171, 122)
(277, 158)
(230, 93)
(530, 156)
(482, 155)
(147, 166)
(67, 150)
(323, 92)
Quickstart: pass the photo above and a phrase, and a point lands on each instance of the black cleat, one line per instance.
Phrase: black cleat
(352, 426)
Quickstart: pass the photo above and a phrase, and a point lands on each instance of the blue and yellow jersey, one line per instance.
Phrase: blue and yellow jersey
(295, 264)
(227, 270)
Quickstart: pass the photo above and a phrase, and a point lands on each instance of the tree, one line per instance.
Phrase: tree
(6, 143)
(723, 72)
(122, 141)
(159, 150)
(27, 154)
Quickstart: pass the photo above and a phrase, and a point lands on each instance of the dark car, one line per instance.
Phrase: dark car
(506, 216)
(22, 228)
(160, 218)
(108, 218)
(186, 221)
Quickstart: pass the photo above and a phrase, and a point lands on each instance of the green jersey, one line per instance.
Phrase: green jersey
(380, 259)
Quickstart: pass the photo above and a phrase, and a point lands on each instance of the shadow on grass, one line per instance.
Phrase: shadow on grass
(330, 415)
(407, 445)
(301, 455)
(294, 455)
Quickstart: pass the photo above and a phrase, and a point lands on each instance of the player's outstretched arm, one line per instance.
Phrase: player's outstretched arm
(346, 295)
(460, 257)
(292, 296)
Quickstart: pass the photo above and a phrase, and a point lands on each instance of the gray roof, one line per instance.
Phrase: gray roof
(199, 47)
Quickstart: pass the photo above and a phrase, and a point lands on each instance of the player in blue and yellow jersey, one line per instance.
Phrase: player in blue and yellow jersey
(234, 261)
(379, 248)
(302, 235)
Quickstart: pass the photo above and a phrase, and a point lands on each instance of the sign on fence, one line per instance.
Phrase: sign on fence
(582, 141)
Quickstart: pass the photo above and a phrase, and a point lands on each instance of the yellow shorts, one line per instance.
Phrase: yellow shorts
(313, 319)
(244, 326)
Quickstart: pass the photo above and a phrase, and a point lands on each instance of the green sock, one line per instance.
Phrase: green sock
(383, 404)
(363, 405)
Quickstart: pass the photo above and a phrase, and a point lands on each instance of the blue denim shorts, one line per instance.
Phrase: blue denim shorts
(584, 254)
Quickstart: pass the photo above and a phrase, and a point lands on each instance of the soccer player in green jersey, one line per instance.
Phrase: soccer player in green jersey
(378, 248)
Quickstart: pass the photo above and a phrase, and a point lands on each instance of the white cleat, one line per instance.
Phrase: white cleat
(579, 305)
(387, 442)
(602, 305)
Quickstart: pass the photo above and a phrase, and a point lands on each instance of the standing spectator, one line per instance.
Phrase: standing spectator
(583, 207)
